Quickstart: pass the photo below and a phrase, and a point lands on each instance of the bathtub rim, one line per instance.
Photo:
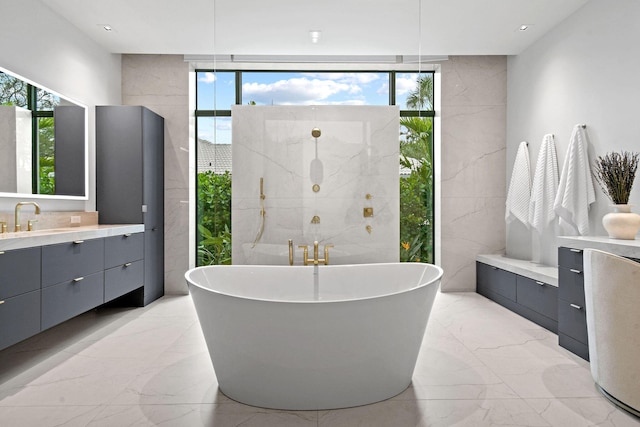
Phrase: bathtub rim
(434, 281)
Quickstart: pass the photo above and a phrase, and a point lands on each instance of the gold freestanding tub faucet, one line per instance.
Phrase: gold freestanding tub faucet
(315, 260)
(17, 215)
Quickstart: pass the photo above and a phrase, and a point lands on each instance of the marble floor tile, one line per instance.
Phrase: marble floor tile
(479, 365)
(592, 411)
(222, 415)
(435, 413)
(36, 416)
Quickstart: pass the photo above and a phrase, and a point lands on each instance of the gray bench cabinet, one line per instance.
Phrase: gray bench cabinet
(534, 300)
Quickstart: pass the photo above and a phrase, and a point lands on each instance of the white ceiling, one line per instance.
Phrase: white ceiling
(349, 27)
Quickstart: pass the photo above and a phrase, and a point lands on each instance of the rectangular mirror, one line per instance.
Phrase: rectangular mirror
(43, 142)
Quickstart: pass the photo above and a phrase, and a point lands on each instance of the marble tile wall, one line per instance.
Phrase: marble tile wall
(161, 83)
(473, 166)
(355, 155)
(473, 118)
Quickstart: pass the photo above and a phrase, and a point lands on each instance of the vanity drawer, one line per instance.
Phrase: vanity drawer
(571, 285)
(572, 321)
(19, 318)
(70, 298)
(19, 271)
(538, 296)
(122, 279)
(119, 250)
(66, 261)
(570, 258)
(491, 279)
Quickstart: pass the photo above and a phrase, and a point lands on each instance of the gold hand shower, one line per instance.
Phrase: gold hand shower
(262, 214)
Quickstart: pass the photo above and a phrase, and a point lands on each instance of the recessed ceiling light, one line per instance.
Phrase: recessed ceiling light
(523, 27)
(315, 35)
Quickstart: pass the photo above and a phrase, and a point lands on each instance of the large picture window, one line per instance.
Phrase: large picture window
(217, 91)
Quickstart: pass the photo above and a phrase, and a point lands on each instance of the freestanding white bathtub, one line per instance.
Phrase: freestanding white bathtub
(307, 338)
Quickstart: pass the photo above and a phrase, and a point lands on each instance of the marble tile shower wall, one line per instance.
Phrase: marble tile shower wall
(355, 155)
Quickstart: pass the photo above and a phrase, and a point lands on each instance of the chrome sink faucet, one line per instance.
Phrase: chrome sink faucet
(17, 216)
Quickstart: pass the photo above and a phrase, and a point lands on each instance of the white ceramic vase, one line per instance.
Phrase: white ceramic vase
(621, 223)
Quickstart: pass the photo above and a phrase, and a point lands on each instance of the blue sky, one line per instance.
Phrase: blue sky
(217, 91)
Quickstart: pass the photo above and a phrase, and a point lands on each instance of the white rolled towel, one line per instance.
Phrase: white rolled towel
(545, 186)
(519, 188)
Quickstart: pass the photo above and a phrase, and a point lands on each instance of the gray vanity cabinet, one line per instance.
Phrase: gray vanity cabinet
(572, 317)
(19, 295)
(72, 279)
(130, 182)
(66, 261)
(124, 264)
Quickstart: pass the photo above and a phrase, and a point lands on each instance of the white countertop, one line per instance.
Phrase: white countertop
(627, 248)
(28, 239)
(530, 269)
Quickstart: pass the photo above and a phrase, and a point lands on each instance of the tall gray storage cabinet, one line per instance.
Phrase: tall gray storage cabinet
(130, 183)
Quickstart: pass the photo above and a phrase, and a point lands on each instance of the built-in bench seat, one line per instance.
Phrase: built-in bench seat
(524, 287)
(530, 269)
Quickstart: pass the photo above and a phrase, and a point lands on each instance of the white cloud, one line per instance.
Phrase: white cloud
(405, 83)
(207, 77)
(383, 89)
(300, 91)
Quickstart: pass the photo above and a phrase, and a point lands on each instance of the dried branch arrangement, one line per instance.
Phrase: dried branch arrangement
(615, 173)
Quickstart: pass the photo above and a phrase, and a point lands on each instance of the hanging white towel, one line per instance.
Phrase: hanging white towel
(576, 192)
(545, 186)
(519, 188)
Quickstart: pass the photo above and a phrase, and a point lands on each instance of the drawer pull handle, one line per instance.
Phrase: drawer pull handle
(127, 235)
(540, 283)
(2, 302)
(1, 252)
(77, 242)
(576, 306)
(573, 270)
(127, 264)
(576, 250)
(78, 279)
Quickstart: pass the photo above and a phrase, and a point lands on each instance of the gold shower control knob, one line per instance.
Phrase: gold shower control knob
(315, 132)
